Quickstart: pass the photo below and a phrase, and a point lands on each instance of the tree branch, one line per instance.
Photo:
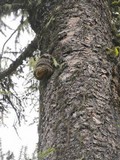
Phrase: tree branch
(16, 5)
(3, 2)
(27, 53)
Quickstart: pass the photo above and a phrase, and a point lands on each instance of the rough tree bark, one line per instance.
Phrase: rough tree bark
(79, 112)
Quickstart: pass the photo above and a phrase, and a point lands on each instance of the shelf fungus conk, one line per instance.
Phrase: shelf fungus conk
(44, 68)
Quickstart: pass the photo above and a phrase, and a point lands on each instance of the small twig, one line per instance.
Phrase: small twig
(11, 52)
(9, 39)
(17, 29)
(16, 130)
(7, 58)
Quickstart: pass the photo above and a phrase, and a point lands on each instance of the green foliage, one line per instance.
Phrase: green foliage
(116, 3)
(32, 62)
(55, 63)
(115, 51)
(4, 92)
(46, 153)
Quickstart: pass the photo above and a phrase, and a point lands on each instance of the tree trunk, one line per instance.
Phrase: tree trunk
(79, 112)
